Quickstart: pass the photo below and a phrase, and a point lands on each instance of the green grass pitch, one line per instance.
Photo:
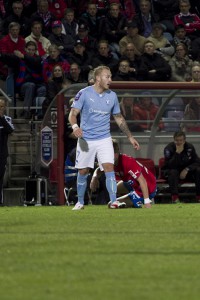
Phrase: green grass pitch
(55, 253)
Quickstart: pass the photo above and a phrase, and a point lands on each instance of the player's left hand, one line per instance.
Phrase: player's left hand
(147, 205)
(135, 143)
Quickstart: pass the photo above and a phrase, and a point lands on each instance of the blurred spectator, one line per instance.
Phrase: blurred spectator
(190, 21)
(89, 41)
(28, 74)
(162, 45)
(166, 10)
(55, 84)
(36, 36)
(123, 73)
(181, 64)
(113, 27)
(195, 49)
(29, 7)
(132, 36)
(91, 77)
(64, 41)
(153, 67)
(180, 37)
(18, 16)
(145, 18)
(102, 7)
(9, 43)
(44, 16)
(2, 10)
(104, 57)
(12, 41)
(53, 59)
(146, 110)
(57, 8)
(192, 112)
(69, 24)
(74, 75)
(195, 7)
(91, 18)
(82, 58)
(129, 8)
(134, 60)
(127, 106)
(195, 72)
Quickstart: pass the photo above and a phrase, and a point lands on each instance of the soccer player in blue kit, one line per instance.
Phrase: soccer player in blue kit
(96, 104)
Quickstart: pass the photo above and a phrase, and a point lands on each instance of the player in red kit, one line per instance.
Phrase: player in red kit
(135, 182)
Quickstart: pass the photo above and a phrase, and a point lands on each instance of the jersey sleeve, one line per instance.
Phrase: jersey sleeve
(116, 107)
(79, 100)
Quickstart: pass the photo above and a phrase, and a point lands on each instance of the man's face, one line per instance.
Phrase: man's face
(43, 7)
(149, 48)
(145, 101)
(37, 29)
(92, 10)
(103, 49)
(69, 17)
(180, 33)
(132, 31)
(74, 71)
(104, 79)
(54, 53)
(179, 141)
(57, 30)
(124, 67)
(17, 9)
(114, 11)
(145, 7)
(196, 73)
(130, 50)
(157, 32)
(79, 49)
(184, 8)
(14, 32)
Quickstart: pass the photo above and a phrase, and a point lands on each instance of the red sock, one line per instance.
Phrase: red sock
(174, 197)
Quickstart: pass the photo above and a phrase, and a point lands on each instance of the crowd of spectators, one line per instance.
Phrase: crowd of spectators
(140, 40)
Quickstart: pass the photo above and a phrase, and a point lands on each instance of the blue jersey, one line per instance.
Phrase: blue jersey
(96, 110)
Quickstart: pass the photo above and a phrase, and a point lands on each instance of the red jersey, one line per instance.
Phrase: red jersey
(130, 169)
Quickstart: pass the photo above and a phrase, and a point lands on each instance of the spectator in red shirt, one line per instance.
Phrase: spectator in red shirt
(145, 110)
(53, 59)
(9, 43)
(12, 41)
(57, 8)
(190, 21)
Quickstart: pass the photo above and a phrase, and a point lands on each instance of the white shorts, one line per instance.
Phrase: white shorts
(87, 151)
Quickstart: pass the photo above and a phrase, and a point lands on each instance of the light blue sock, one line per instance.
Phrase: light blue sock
(81, 187)
(111, 185)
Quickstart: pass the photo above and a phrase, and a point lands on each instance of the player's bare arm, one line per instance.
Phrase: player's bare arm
(119, 119)
(77, 131)
(145, 192)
